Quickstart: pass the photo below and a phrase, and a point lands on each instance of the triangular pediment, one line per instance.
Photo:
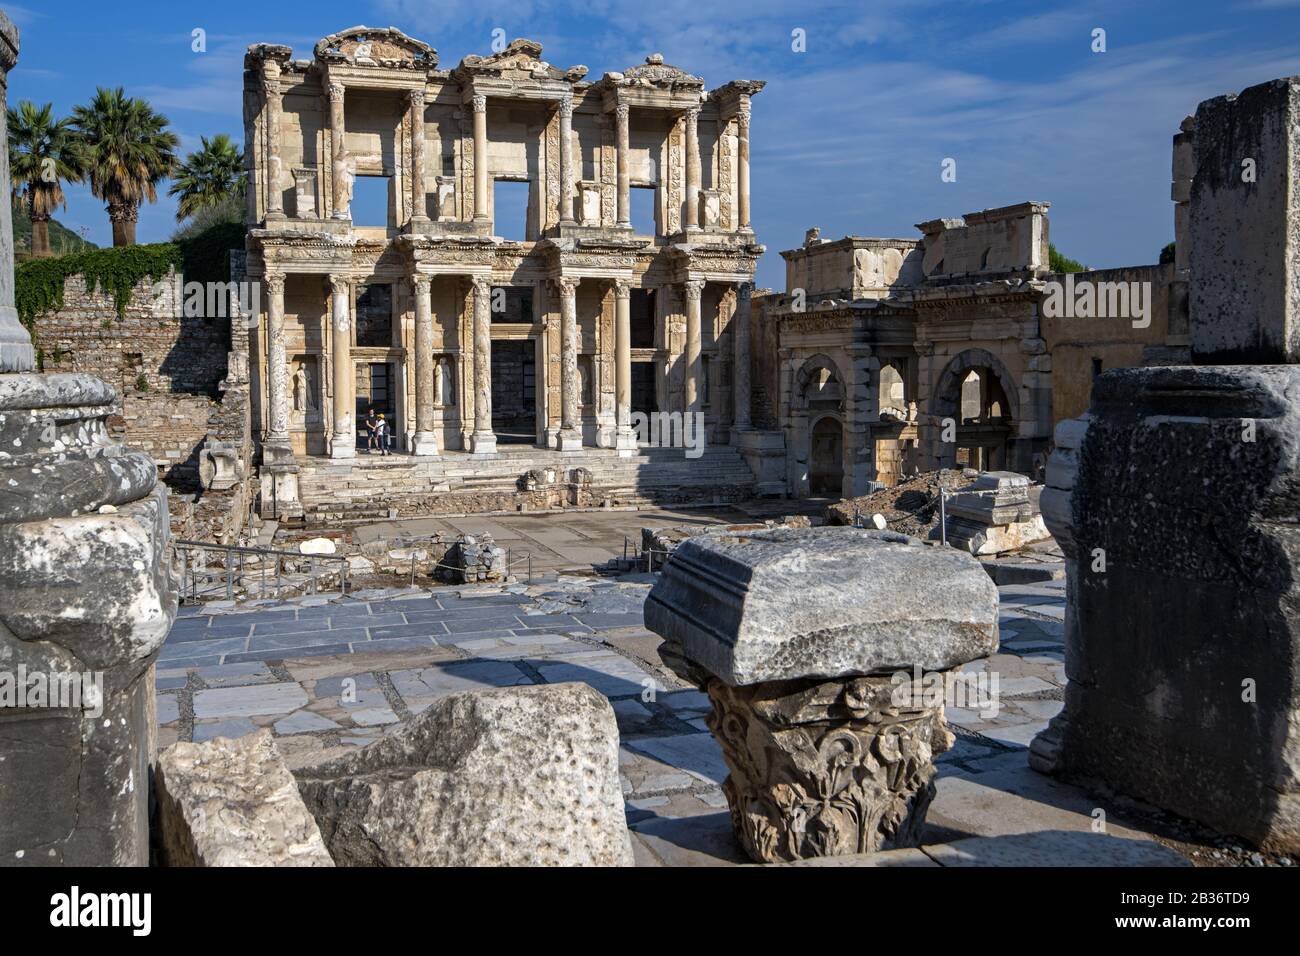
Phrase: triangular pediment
(376, 46)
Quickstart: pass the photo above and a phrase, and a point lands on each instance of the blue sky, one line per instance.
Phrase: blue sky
(849, 136)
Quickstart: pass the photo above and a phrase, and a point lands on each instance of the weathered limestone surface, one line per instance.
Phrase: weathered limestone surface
(791, 603)
(1245, 226)
(1175, 501)
(524, 776)
(85, 588)
(233, 803)
(997, 512)
(793, 633)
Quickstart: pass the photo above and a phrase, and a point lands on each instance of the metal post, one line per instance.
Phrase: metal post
(943, 514)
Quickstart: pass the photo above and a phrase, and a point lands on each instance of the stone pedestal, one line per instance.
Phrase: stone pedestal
(997, 512)
(1174, 501)
(86, 601)
(808, 642)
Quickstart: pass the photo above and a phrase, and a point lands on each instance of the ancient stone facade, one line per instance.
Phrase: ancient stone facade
(408, 314)
(898, 355)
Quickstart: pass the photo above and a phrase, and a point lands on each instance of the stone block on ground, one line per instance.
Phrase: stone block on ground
(524, 776)
(233, 803)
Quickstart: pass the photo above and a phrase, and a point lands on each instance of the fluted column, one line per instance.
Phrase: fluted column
(277, 368)
(425, 441)
(274, 166)
(691, 398)
(343, 441)
(570, 438)
(479, 104)
(484, 440)
(740, 376)
(566, 159)
(342, 200)
(692, 220)
(742, 163)
(624, 168)
(624, 439)
(415, 103)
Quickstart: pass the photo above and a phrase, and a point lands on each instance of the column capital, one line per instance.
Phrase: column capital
(415, 97)
(694, 288)
(274, 282)
(566, 285)
(422, 283)
(743, 111)
(692, 115)
(744, 289)
(479, 102)
(622, 111)
(340, 285)
(566, 106)
(622, 288)
(482, 285)
(335, 90)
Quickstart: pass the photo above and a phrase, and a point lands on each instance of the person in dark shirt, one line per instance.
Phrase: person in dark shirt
(372, 436)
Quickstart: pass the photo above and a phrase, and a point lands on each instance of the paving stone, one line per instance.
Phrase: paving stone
(420, 687)
(644, 774)
(609, 621)
(430, 630)
(1041, 709)
(290, 653)
(202, 649)
(231, 675)
(702, 840)
(249, 701)
(303, 722)
(206, 730)
(168, 708)
(1054, 848)
(696, 754)
(1016, 735)
(610, 674)
(321, 638)
(170, 682)
(1014, 686)
(373, 716)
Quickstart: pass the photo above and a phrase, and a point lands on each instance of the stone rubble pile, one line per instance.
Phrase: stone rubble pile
(996, 513)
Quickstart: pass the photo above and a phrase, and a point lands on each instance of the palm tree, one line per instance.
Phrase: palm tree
(209, 177)
(43, 153)
(130, 152)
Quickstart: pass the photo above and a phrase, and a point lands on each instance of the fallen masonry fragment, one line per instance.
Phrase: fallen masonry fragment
(797, 635)
(997, 513)
(521, 776)
(233, 803)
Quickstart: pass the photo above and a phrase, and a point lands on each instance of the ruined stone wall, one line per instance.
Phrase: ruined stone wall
(765, 370)
(1074, 343)
(165, 366)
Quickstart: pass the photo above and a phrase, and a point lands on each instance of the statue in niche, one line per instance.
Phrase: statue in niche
(303, 391)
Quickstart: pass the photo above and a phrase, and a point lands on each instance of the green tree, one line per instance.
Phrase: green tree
(1059, 263)
(44, 153)
(130, 150)
(1167, 254)
(209, 177)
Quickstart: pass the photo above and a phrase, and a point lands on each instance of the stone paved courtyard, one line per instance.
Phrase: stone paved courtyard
(329, 674)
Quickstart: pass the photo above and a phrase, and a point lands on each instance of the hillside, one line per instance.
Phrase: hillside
(62, 239)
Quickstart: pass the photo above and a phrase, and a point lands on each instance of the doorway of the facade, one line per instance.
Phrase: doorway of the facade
(376, 392)
(645, 396)
(514, 392)
(826, 458)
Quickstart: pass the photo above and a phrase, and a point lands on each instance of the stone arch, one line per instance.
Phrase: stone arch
(818, 395)
(987, 443)
(814, 364)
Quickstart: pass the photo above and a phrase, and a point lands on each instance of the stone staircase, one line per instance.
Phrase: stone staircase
(370, 487)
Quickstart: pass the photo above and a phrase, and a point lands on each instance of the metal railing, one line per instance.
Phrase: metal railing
(638, 553)
(243, 565)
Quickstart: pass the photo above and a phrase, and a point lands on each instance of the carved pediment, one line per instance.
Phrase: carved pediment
(657, 73)
(522, 58)
(376, 46)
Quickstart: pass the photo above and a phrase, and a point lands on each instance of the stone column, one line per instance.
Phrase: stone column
(694, 289)
(484, 440)
(343, 443)
(570, 438)
(425, 441)
(742, 163)
(624, 170)
(624, 438)
(740, 374)
(16, 352)
(479, 104)
(277, 365)
(566, 159)
(342, 200)
(824, 766)
(274, 168)
(86, 601)
(415, 104)
(692, 219)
